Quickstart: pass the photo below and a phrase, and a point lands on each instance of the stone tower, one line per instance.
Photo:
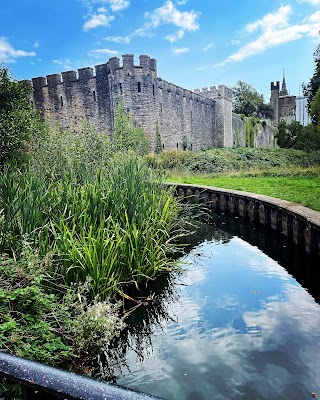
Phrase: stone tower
(283, 104)
(274, 101)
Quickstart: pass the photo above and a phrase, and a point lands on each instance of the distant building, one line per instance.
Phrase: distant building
(286, 107)
(283, 104)
(302, 111)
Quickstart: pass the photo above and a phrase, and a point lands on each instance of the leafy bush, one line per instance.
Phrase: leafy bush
(126, 135)
(45, 321)
(215, 161)
(18, 121)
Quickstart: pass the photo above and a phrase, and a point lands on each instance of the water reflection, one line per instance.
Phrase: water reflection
(235, 325)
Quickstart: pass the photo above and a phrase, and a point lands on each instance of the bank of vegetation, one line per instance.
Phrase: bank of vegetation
(289, 174)
(84, 223)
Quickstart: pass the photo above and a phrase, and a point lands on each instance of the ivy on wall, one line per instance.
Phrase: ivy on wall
(251, 127)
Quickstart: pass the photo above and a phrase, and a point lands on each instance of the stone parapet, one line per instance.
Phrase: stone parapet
(299, 224)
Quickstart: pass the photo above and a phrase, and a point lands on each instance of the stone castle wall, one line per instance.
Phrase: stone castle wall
(186, 119)
(264, 136)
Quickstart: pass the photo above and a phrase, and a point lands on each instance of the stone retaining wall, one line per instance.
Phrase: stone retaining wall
(298, 223)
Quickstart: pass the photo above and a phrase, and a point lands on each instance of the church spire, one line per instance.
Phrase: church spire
(284, 91)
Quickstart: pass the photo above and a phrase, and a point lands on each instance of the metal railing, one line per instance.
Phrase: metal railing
(39, 381)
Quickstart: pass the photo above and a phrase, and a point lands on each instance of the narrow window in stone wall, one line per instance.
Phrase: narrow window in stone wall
(139, 87)
(160, 107)
(191, 115)
(163, 145)
(94, 96)
(191, 146)
(153, 89)
(121, 88)
(177, 145)
(61, 101)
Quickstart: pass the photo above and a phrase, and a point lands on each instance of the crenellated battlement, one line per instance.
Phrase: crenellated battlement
(146, 64)
(185, 119)
(214, 93)
(275, 85)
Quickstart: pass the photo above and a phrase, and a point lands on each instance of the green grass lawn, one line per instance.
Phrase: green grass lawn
(303, 190)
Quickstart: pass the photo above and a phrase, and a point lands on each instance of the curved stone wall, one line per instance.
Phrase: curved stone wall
(298, 223)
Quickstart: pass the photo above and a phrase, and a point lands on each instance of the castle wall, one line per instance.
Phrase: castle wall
(185, 119)
(264, 136)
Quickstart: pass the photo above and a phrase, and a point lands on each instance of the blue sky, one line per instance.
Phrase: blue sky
(197, 43)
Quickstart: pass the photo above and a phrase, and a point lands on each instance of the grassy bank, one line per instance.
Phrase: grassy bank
(217, 161)
(303, 190)
(291, 175)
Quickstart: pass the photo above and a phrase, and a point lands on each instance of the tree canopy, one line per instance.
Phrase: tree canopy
(315, 108)
(310, 89)
(297, 136)
(247, 101)
(18, 121)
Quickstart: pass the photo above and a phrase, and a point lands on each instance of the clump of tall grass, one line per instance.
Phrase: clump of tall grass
(115, 225)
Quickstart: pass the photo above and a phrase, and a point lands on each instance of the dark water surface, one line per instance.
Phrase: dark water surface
(237, 324)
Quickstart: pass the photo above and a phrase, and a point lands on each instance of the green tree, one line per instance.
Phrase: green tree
(315, 108)
(247, 101)
(310, 89)
(309, 138)
(126, 136)
(297, 136)
(289, 134)
(18, 121)
(265, 111)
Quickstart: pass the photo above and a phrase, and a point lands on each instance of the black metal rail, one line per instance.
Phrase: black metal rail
(39, 381)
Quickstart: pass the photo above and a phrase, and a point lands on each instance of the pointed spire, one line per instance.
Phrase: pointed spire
(284, 91)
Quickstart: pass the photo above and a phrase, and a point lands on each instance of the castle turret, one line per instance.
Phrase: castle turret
(274, 101)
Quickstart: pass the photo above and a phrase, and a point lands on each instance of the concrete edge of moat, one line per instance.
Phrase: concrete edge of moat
(300, 224)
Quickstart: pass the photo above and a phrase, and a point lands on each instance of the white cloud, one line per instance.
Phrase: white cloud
(66, 63)
(100, 52)
(274, 30)
(313, 2)
(180, 50)
(208, 46)
(276, 20)
(115, 5)
(176, 36)
(9, 54)
(118, 39)
(169, 14)
(36, 44)
(98, 20)
(118, 5)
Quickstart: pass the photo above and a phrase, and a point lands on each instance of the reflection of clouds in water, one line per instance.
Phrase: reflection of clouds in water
(193, 275)
(276, 356)
(269, 268)
(260, 262)
(275, 362)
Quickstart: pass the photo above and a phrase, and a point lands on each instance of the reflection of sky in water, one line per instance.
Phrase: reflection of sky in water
(245, 330)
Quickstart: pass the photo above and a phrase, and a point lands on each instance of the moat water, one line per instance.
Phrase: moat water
(241, 322)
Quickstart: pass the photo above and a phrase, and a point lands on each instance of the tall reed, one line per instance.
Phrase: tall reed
(115, 225)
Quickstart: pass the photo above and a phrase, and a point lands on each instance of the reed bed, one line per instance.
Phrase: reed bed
(116, 225)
